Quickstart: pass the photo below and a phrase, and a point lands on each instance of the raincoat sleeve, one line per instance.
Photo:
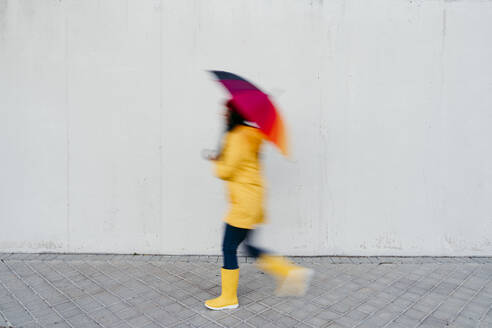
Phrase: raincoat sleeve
(228, 162)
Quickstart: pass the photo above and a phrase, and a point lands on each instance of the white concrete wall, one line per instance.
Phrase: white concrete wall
(105, 107)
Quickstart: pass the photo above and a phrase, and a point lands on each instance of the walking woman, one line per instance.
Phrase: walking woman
(239, 165)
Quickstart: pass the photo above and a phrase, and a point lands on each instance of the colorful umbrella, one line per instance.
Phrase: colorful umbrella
(255, 106)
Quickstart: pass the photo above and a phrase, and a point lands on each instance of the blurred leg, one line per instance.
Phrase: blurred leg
(292, 279)
(253, 251)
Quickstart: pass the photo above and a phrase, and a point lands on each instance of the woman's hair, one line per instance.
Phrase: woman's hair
(234, 119)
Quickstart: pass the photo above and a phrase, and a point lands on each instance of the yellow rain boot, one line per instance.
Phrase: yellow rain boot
(292, 280)
(228, 297)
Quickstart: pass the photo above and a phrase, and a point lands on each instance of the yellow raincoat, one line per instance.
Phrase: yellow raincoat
(239, 166)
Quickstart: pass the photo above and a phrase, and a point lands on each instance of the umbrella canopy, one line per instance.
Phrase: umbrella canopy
(255, 106)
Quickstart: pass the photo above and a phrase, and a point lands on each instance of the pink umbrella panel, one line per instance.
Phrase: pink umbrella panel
(255, 106)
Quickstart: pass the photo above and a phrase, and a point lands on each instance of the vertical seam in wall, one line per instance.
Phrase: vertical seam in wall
(325, 201)
(67, 111)
(441, 108)
(443, 45)
(160, 126)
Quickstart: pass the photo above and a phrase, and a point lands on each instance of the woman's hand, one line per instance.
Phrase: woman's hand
(211, 155)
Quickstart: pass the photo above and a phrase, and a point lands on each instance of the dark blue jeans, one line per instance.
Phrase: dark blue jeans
(232, 238)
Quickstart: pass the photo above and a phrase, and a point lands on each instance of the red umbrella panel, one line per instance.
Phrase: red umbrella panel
(255, 106)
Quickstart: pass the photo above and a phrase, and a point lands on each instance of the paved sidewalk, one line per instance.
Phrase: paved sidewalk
(66, 290)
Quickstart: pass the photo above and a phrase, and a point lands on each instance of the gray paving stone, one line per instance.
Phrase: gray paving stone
(367, 308)
(197, 321)
(105, 317)
(415, 314)
(259, 321)
(405, 321)
(357, 315)
(29, 325)
(432, 322)
(139, 321)
(243, 314)
(444, 314)
(464, 321)
(20, 319)
(164, 318)
(229, 321)
(302, 325)
(71, 312)
(317, 322)
(49, 319)
(243, 325)
(39, 309)
(153, 325)
(287, 322)
(106, 299)
(128, 314)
